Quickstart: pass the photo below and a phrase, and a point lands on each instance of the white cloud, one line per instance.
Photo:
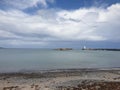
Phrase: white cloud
(93, 24)
(5, 34)
(109, 14)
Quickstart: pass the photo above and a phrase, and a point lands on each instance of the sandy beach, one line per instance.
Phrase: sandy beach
(71, 79)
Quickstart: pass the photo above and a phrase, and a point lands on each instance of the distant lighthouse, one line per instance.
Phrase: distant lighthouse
(84, 47)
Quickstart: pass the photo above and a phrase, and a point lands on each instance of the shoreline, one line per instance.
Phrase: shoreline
(57, 72)
(62, 69)
(61, 79)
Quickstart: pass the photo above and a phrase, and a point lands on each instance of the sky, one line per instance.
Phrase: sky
(60, 23)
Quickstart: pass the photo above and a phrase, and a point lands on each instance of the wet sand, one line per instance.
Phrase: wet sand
(71, 79)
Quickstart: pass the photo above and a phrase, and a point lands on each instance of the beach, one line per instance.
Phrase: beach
(59, 44)
(62, 79)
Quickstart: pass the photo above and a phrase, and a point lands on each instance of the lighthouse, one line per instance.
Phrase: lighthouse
(84, 47)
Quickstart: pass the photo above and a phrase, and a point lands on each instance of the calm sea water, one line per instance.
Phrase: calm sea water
(38, 59)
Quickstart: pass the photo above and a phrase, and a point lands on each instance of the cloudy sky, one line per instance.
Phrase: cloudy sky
(59, 23)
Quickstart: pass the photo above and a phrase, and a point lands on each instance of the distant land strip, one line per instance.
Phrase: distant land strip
(103, 49)
(63, 49)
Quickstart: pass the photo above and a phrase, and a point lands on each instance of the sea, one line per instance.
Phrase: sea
(15, 60)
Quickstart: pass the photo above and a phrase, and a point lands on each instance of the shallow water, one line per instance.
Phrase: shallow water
(39, 59)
